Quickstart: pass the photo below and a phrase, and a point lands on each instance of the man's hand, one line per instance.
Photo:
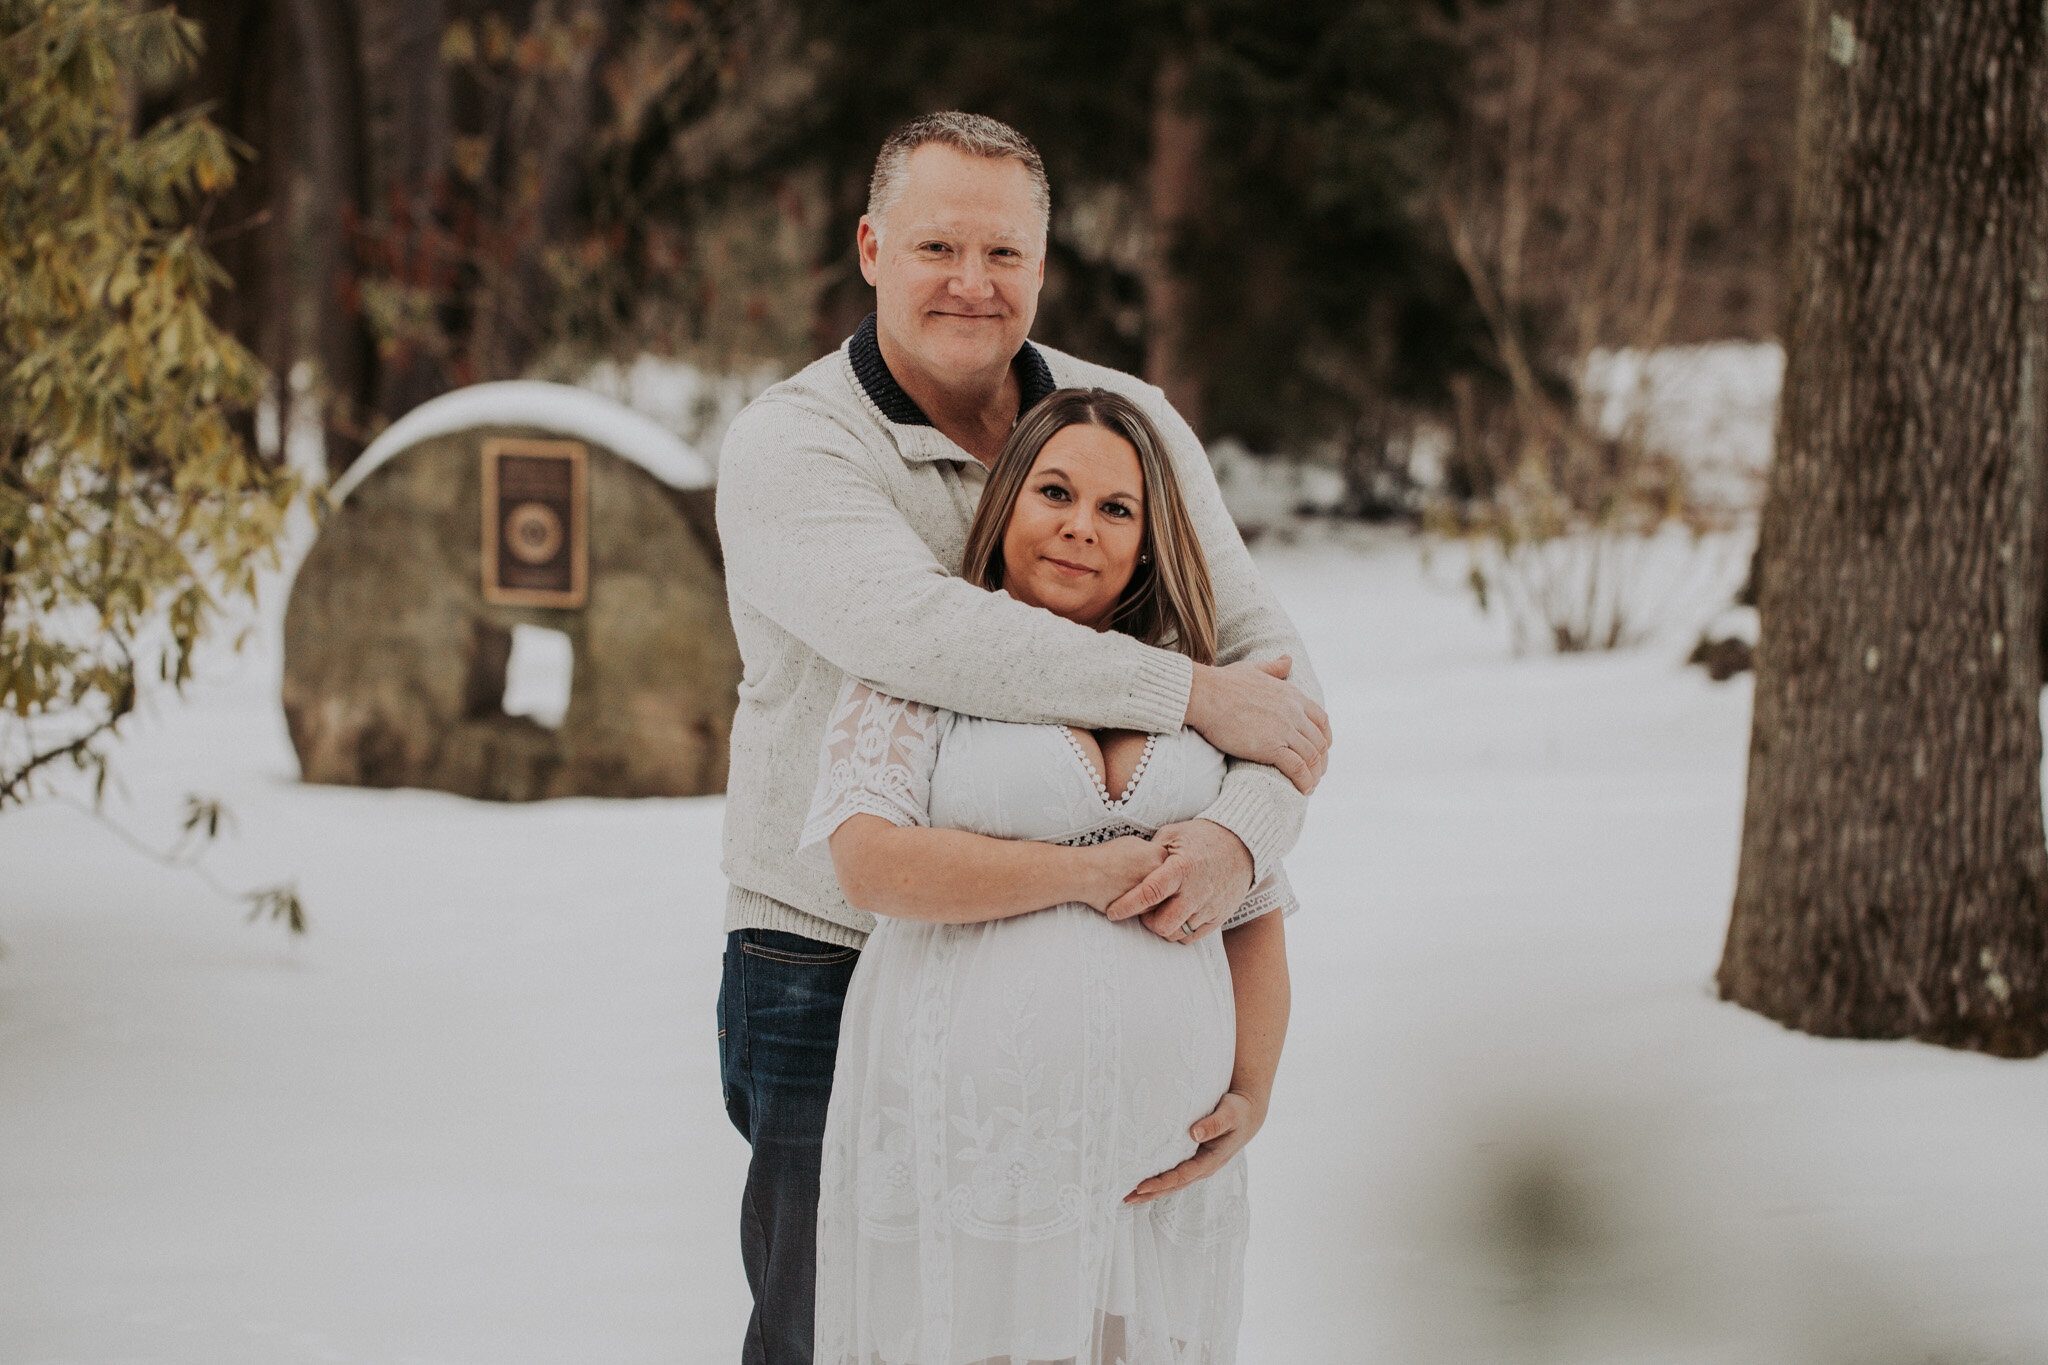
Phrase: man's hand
(1248, 711)
(1222, 1135)
(1206, 876)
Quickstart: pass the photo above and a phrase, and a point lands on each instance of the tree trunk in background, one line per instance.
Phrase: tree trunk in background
(405, 108)
(1894, 880)
(285, 79)
(556, 129)
(331, 329)
(244, 74)
(1173, 187)
(542, 127)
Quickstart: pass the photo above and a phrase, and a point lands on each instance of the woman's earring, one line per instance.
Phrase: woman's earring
(1144, 559)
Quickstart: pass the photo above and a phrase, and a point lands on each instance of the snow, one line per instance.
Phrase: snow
(1265, 493)
(538, 675)
(473, 1117)
(1714, 405)
(560, 408)
(695, 404)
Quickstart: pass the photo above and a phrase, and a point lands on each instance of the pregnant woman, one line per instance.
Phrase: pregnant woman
(1026, 1090)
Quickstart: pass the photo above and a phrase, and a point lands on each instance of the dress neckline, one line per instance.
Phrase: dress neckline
(1098, 781)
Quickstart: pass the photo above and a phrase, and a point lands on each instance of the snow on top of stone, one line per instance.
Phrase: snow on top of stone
(559, 408)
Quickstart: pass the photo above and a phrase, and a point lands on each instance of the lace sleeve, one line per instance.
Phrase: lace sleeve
(877, 760)
(1274, 893)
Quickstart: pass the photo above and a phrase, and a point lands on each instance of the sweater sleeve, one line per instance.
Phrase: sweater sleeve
(1257, 804)
(814, 542)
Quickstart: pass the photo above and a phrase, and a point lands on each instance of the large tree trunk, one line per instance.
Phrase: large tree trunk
(1893, 866)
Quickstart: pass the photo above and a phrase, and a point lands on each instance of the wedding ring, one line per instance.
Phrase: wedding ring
(1187, 927)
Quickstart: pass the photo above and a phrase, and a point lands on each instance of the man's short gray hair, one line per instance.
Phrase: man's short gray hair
(974, 134)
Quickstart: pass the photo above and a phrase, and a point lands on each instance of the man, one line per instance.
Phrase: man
(844, 499)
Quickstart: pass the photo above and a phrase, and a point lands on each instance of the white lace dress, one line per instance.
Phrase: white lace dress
(1000, 1087)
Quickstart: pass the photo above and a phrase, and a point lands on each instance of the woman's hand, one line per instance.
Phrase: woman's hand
(1222, 1135)
(1116, 865)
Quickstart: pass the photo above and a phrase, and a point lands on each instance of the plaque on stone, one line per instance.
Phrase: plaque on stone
(536, 551)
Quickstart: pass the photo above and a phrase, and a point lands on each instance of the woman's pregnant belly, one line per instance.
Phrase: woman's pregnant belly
(1070, 1054)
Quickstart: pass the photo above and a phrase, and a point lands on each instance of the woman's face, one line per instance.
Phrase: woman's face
(1073, 538)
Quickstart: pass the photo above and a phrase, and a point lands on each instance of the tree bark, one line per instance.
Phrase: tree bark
(405, 107)
(558, 126)
(243, 76)
(1173, 185)
(546, 128)
(1894, 879)
(332, 152)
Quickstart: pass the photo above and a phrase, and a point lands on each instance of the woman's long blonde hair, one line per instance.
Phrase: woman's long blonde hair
(1169, 601)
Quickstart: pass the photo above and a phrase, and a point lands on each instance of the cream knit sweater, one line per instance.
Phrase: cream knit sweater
(842, 514)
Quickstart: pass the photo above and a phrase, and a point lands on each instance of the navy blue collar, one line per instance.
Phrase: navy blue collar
(1034, 378)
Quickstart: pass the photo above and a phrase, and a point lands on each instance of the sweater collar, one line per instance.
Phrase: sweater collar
(1034, 378)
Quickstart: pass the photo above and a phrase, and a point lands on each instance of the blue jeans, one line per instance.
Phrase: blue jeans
(778, 1032)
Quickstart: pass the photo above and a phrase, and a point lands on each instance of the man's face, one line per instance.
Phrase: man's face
(957, 266)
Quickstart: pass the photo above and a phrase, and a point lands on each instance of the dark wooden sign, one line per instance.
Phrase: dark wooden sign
(536, 546)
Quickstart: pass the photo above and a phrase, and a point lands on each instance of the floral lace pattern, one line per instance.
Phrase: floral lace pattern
(877, 760)
(1001, 1086)
(1014, 1191)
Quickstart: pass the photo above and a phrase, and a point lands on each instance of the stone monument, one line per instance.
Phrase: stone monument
(486, 510)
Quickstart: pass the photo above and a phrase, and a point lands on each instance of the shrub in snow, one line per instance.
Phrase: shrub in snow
(1572, 510)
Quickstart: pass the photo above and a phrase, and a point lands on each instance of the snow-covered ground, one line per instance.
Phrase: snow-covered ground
(473, 1118)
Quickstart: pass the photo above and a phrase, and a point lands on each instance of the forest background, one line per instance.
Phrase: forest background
(1400, 238)
(1313, 225)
